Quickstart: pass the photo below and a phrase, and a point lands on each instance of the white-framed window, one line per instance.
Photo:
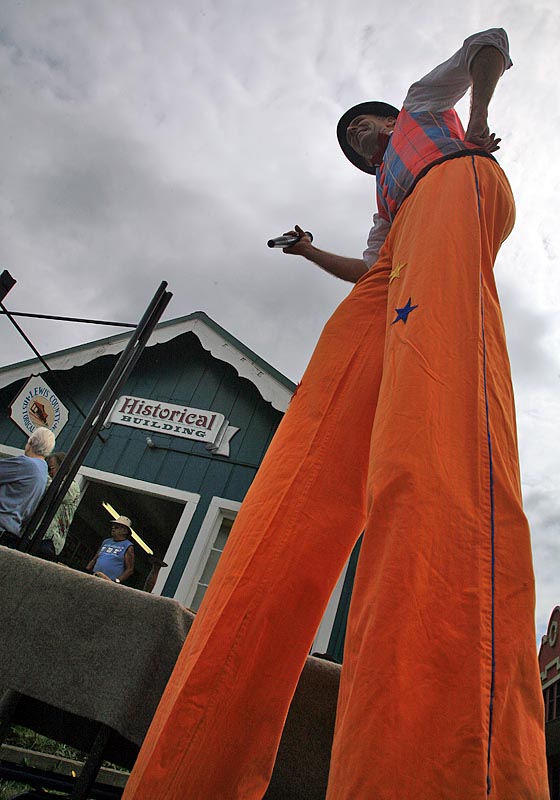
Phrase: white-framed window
(206, 552)
(212, 562)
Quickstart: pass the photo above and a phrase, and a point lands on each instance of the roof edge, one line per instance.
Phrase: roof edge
(273, 386)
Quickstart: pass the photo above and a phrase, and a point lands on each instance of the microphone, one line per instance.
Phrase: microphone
(287, 241)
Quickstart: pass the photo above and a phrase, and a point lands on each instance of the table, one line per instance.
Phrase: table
(89, 657)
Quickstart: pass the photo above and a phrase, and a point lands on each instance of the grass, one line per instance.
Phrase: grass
(8, 789)
(23, 737)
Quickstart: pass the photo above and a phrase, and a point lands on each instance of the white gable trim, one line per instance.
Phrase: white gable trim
(268, 386)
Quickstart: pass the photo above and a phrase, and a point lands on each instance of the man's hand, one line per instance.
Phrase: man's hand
(348, 269)
(301, 248)
(486, 69)
(102, 575)
(479, 134)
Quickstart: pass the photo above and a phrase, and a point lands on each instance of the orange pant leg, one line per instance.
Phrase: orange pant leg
(440, 695)
(217, 729)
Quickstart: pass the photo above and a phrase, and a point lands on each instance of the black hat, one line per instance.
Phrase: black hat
(370, 107)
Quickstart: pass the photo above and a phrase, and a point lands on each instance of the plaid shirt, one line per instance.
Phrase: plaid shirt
(428, 131)
(419, 141)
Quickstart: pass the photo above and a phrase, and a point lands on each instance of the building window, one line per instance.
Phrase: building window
(550, 699)
(212, 561)
(206, 551)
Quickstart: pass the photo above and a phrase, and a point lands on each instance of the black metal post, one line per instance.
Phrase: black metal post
(41, 519)
(89, 771)
(7, 282)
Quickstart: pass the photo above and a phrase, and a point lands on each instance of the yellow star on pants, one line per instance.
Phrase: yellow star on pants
(396, 273)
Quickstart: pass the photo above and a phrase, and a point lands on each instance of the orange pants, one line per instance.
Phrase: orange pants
(403, 426)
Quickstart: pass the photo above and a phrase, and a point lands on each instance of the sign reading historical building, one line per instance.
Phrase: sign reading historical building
(188, 423)
(38, 406)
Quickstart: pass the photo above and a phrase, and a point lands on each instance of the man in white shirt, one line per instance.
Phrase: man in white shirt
(403, 427)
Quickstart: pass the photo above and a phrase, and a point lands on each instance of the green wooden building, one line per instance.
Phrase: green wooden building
(176, 455)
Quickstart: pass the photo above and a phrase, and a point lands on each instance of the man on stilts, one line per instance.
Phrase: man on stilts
(403, 427)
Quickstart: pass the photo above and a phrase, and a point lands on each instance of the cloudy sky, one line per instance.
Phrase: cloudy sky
(143, 141)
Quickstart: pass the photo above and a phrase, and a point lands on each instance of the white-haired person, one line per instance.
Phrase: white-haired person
(23, 480)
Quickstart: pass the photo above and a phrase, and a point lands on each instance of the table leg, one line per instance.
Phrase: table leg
(89, 771)
(8, 704)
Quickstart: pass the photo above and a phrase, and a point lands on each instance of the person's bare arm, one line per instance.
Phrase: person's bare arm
(347, 269)
(93, 560)
(128, 565)
(486, 69)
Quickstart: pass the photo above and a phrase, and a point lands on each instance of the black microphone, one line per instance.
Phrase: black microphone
(287, 241)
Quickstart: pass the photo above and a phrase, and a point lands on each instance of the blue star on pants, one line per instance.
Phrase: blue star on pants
(402, 313)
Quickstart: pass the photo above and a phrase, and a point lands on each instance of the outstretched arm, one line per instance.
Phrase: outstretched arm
(347, 269)
(486, 69)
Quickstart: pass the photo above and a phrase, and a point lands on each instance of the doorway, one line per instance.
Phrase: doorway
(160, 515)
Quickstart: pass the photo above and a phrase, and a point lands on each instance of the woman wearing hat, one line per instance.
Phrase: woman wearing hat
(114, 560)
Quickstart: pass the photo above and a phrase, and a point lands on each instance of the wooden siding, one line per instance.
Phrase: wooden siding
(182, 372)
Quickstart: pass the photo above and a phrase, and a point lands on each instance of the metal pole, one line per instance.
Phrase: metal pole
(41, 519)
(7, 282)
(58, 318)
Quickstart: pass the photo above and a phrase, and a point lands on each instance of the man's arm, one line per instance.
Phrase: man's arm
(443, 87)
(128, 564)
(486, 69)
(347, 269)
(93, 560)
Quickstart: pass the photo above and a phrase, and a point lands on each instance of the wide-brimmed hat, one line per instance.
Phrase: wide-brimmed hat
(370, 107)
(122, 521)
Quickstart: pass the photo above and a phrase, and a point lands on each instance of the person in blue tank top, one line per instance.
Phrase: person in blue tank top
(115, 558)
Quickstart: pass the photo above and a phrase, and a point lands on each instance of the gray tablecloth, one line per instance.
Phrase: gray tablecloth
(85, 649)
(84, 645)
